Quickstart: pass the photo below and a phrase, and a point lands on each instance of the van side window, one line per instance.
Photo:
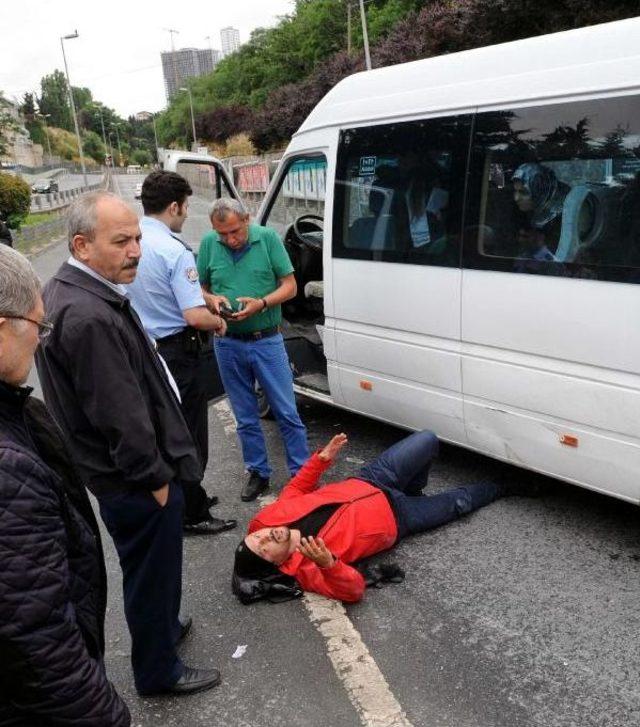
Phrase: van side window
(399, 191)
(301, 193)
(555, 190)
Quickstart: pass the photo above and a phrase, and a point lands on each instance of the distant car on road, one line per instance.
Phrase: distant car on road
(138, 191)
(44, 186)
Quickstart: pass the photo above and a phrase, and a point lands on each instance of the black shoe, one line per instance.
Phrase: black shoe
(210, 526)
(185, 628)
(254, 486)
(192, 681)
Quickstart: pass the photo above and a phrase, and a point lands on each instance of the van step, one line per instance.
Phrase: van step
(317, 382)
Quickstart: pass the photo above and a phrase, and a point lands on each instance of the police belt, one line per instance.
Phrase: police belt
(189, 340)
(254, 335)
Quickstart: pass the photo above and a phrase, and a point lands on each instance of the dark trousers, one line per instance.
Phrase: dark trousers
(402, 471)
(148, 539)
(191, 372)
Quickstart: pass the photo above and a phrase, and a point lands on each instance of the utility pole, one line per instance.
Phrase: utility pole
(365, 36)
(155, 136)
(173, 56)
(73, 105)
(349, 27)
(104, 136)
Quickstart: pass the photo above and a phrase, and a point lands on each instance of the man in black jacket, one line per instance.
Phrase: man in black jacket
(52, 581)
(109, 390)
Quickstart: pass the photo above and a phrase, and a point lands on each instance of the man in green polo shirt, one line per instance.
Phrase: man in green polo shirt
(246, 267)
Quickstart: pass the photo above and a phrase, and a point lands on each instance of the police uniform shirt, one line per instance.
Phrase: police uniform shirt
(167, 280)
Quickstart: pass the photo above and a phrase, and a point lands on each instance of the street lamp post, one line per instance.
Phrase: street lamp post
(193, 120)
(111, 148)
(73, 105)
(104, 136)
(155, 136)
(365, 36)
(114, 126)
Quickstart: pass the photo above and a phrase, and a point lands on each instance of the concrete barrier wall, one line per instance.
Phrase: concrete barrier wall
(58, 200)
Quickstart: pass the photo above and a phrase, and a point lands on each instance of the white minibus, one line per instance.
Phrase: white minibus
(466, 236)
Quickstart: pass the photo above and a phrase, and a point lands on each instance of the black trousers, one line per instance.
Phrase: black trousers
(148, 539)
(192, 372)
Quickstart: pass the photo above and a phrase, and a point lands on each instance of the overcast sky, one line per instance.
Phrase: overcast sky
(117, 54)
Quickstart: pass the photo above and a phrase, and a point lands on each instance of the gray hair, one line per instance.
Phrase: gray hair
(225, 206)
(19, 284)
(82, 216)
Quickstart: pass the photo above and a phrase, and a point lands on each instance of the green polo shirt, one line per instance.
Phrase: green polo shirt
(254, 275)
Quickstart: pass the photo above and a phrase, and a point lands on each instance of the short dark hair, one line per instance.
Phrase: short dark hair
(162, 188)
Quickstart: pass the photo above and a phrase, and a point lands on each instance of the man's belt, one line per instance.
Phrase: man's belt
(255, 335)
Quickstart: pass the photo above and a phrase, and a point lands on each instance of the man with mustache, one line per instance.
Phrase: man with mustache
(107, 388)
(309, 538)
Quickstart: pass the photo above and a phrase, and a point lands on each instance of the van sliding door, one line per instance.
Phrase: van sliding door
(396, 271)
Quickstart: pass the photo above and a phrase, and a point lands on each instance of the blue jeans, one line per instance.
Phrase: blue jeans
(402, 471)
(265, 360)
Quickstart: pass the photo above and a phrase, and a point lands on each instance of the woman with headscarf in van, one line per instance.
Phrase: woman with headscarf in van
(539, 195)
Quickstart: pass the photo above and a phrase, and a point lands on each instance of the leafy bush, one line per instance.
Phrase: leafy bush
(15, 199)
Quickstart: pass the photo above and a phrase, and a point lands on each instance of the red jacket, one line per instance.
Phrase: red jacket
(363, 525)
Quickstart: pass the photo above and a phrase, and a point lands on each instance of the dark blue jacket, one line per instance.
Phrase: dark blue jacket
(52, 580)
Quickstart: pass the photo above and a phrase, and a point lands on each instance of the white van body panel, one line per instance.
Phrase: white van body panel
(505, 364)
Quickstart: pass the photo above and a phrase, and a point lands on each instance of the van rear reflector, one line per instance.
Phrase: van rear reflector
(366, 385)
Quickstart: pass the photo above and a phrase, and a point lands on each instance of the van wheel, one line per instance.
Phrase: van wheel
(263, 405)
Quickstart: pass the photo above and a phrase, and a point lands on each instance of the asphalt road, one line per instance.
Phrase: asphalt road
(524, 614)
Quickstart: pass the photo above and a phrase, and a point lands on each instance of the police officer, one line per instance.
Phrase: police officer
(167, 296)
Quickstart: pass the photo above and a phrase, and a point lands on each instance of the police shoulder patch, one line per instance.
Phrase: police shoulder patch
(192, 275)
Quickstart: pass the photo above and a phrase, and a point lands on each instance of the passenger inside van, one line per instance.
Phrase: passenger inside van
(539, 196)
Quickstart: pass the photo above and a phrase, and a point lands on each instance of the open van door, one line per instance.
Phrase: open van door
(209, 180)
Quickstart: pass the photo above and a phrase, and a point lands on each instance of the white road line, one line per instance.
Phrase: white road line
(355, 667)
(223, 408)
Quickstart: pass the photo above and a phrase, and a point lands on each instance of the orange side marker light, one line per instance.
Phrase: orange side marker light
(366, 385)
(569, 439)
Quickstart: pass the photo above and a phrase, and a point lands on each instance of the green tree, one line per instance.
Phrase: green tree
(82, 97)
(28, 107)
(54, 100)
(93, 146)
(141, 157)
(15, 199)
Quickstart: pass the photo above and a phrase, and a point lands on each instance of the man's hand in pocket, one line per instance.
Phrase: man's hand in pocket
(161, 495)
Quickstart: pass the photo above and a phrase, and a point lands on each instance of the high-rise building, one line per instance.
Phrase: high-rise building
(230, 40)
(179, 65)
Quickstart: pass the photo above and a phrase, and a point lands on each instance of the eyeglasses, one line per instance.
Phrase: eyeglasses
(44, 327)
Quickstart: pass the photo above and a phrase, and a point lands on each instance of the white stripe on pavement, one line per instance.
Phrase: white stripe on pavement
(223, 408)
(353, 664)
(366, 686)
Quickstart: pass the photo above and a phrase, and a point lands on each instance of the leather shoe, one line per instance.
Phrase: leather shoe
(185, 628)
(210, 526)
(254, 486)
(191, 681)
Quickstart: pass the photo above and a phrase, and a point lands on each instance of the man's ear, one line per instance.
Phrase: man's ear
(174, 209)
(79, 245)
(4, 322)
